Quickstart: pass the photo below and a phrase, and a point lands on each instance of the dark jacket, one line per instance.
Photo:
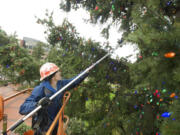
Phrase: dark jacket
(39, 92)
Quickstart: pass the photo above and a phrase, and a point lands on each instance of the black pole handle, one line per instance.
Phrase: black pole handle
(16, 124)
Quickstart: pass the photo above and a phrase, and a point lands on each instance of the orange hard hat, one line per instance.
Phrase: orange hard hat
(48, 69)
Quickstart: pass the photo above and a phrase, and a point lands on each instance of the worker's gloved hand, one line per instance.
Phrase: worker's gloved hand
(44, 102)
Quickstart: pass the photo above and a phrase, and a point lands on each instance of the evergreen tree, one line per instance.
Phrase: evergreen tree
(93, 103)
(39, 51)
(3, 38)
(171, 124)
(153, 26)
(16, 64)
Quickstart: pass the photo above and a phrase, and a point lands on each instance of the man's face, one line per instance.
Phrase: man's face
(57, 76)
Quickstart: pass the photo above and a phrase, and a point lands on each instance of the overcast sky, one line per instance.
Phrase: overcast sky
(19, 16)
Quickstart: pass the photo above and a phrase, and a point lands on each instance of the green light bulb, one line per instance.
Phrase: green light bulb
(164, 90)
(113, 7)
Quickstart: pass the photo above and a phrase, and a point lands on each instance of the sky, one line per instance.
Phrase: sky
(19, 16)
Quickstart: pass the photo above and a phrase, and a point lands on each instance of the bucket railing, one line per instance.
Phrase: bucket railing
(60, 117)
(2, 100)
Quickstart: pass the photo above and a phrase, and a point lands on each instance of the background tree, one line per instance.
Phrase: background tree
(16, 64)
(3, 37)
(39, 51)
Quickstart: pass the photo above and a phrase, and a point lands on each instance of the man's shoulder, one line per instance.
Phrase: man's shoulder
(38, 89)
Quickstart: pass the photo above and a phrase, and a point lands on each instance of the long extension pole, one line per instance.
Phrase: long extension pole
(57, 93)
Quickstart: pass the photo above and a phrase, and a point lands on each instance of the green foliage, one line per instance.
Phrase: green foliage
(171, 125)
(16, 64)
(4, 39)
(92, 101)
(22, 129)
(39, 51)
(76, 127)
(154, 27)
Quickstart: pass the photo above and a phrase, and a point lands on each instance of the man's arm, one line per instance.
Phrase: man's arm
(31, 102)
(77, 82)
